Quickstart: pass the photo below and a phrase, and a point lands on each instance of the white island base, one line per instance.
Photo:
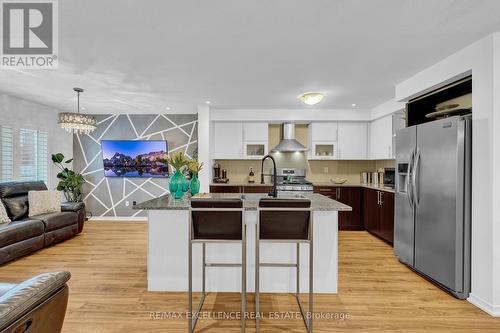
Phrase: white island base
(168, 257)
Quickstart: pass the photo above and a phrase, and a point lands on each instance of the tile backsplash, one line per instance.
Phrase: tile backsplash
(317, 171)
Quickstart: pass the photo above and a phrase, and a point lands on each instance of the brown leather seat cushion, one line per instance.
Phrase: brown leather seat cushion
(276, 224)
(58, 220)
(220, 225)
(17, 231)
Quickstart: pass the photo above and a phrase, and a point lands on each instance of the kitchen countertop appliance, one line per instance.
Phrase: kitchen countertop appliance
(433, 201)
(389, 177)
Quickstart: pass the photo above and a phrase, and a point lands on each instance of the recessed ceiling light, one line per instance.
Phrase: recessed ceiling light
(207, 102)
(167, 108)
(311, 98)
(354, 104)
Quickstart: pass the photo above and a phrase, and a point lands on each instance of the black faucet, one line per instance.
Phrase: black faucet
(274, 192)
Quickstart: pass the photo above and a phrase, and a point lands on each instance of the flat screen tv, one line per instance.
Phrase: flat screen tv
(133, 158)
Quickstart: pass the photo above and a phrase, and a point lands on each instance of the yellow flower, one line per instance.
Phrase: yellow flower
(194, 166)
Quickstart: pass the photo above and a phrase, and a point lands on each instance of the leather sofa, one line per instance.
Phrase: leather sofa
(28, 234)
(35, 305)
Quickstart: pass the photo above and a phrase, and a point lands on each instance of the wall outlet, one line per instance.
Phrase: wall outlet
(325, 170)
(127, 203)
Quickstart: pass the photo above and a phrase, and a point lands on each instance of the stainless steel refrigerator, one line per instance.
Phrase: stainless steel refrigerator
(433, 201)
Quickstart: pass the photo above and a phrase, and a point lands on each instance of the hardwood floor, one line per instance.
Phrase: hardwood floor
(108, 290)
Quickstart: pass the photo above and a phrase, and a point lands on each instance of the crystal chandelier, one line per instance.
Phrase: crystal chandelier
(76, 122)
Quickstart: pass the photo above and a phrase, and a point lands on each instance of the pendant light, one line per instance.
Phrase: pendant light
(76, 122)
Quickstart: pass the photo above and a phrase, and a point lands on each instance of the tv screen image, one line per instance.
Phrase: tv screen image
(132, 158)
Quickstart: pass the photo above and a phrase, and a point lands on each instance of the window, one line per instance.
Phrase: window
(6, 155)
(33, 155)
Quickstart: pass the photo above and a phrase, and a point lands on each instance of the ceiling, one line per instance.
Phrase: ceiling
(143, 56)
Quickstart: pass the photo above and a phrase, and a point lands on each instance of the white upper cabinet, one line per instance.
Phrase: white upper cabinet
(228, 140)
(323, 141)
(381, 138)
(255, 140)
(326, 132)
(255, 131)
(352, 140)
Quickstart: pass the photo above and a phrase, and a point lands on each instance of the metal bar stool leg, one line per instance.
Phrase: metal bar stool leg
(190, 288)
(298, 270)
(243, 278)
(311, 276)
(257, 277)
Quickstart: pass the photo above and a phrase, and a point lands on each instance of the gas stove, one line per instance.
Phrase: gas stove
(292, 180)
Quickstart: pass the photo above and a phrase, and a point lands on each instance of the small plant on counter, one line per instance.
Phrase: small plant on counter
(177, 184)
(195, 167)
(70, 182)
(178, 161)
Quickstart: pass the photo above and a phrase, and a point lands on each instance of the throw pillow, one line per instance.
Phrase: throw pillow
(43, 202)
(4, 217)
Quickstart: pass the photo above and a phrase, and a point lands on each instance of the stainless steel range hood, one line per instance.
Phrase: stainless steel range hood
(288, 142)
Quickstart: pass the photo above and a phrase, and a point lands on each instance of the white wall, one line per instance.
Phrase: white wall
(20, 113)
(482, 59)
(386, 108)
(204, 153)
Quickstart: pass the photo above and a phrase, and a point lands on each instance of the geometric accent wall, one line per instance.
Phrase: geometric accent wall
(108, 196)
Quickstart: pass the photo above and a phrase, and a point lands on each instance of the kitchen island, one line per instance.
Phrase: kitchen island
(168, 229)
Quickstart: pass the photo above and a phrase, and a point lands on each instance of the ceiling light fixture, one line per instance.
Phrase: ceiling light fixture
(207, 102)
(353, 104)
(311, 98)
(76, 122)
(167, 108)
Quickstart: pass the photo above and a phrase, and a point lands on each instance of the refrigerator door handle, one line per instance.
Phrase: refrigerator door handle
(407, 181)
(416, 166)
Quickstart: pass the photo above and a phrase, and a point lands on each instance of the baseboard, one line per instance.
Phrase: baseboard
(492, 310)
(119, 218)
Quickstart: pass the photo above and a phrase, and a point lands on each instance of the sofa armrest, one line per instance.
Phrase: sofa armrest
(72, 206)
(29, 294)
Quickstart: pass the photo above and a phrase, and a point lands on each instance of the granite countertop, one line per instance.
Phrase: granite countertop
(380, 187)
(250, 202)
(241, 184)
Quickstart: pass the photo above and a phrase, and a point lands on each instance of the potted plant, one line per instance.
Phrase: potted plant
(178, 184)
(195, 167)
(70, 182)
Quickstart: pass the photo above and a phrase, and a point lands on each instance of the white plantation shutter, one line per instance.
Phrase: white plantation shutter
(33, 155)
(42, 155)
(6, 154)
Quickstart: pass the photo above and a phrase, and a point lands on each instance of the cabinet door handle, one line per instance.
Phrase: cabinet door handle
(338, 193)
(378, 197)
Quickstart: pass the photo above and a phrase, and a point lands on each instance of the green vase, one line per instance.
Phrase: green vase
(178, 185)
(195, 184)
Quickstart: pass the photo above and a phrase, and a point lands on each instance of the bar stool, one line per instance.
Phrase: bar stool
(285, 221)
(216, 221)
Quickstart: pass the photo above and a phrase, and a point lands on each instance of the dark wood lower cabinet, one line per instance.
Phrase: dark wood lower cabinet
(371, 219)
(240, 189)
(379, 214)
(257, 189)
(387, 216)
(351, 196)
(225, 189)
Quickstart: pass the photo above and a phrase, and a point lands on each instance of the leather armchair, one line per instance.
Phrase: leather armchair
(35, 305)
(77, 207)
